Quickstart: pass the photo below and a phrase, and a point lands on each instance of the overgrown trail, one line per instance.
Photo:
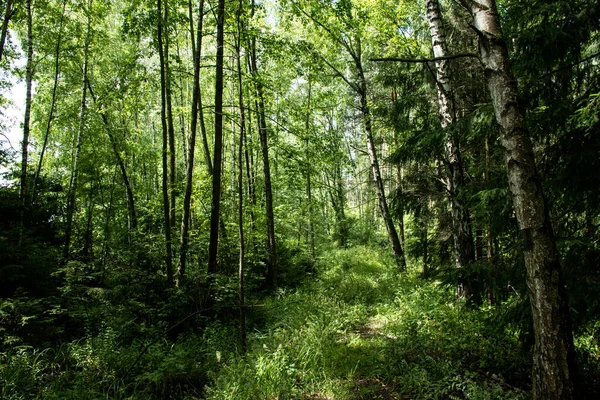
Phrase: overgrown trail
(360, 330)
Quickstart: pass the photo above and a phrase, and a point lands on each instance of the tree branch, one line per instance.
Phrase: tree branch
(424, 60)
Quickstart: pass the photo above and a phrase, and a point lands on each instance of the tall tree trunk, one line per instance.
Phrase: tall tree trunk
(383, 205)
(8, 13)
(165, 141)
(553, 351)
(185, 219)
(250, 175)
(464, 250)
(23, 195)
(264, 146)
(52, 101)
(218, 150)
(240, 180)
(87, 254)
(121, 163)
(170, 125)
(311, 233)
(80, 129)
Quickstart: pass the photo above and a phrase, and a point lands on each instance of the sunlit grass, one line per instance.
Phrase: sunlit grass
(364, 329)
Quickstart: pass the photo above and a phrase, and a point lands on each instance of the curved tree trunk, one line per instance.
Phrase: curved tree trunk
(383, 205)
(464, 250)
(553, 351)
(121, 164)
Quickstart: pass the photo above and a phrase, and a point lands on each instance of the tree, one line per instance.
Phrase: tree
(165, 143)
(24, 192)
(461, 222)
(185, 218)
(80, 132)
(264, 147)
(8, 14)
(218, 149)
(351, 43)
(553, 351)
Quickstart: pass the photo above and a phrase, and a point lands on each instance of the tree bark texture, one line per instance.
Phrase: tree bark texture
(553, 351)
(218, 149)
(461, 222)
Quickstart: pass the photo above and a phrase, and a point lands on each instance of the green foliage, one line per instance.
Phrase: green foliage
(361, 329)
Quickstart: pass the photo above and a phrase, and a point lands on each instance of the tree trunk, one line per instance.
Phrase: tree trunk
(383, 206)
(553, 351)
(170, 125)
(52, 102)
(26, 123)
(311, 233)
(8, 13)
(264, 146)
(218, 150)
(121, 163)
(464, 251)
(80, 129)
(185, 219)
(240, 182)
(165, 141)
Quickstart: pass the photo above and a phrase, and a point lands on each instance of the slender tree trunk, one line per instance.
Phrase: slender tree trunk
(218, 150)
(170, 125)
(311, 233)
(185, 219)
(264, 146)
(165, 141)
(383, 206)
(52, 102)
(87, 253)
(250, 176)
(26, 123)
(8, 13)
(121, 163)
(80, 129)
(553, 351)
(184, 150)
(240, 181)
(464, 250)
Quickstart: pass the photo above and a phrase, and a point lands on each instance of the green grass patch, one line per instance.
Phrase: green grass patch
(363, 330)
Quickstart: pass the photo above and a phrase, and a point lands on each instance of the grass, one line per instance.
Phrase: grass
(359, 329)
(364, 331)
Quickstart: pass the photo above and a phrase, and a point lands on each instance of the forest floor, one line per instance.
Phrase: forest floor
(357, 329)
(363, 330)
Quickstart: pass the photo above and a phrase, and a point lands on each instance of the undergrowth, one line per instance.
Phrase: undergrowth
(358, 329)
(363, 330)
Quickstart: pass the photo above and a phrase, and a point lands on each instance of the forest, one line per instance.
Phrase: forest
(300, 199)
